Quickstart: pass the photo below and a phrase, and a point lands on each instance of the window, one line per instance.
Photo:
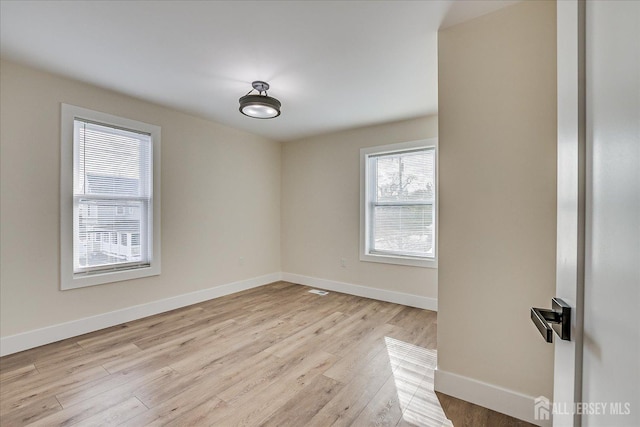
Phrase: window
(110, 185)
(398, 204)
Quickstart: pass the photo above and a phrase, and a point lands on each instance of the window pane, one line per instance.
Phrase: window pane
(404, 230)
(99, 218)
(405, 176)
(111, 161)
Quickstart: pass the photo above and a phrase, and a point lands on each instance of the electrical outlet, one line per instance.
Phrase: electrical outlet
(241, 260)
(343, 262)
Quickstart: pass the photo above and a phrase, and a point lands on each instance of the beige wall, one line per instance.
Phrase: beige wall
(220, 202)
(497, 125)
(321, 208)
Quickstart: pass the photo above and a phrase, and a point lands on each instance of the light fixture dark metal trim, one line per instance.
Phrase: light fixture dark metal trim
(261, 100)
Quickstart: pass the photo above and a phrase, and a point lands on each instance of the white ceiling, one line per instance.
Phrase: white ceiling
(333, 64)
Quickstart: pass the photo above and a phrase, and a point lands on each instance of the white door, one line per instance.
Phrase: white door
(611, 355)
(598, 256)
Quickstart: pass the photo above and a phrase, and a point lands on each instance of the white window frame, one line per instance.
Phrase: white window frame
(365, 188)
(69, 280)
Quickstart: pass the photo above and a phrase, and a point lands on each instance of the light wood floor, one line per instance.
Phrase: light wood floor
(273, 356)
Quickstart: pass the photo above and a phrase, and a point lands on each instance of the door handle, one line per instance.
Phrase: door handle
(557, 319)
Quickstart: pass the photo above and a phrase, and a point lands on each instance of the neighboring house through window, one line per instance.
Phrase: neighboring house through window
(398, 204)
(110, 188)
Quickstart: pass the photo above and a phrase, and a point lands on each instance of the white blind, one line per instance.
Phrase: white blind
(113, 198)
(401, 204)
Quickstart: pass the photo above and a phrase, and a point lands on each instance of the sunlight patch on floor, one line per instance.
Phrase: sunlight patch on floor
(413, 368)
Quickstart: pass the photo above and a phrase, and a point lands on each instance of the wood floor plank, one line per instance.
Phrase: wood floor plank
(99, 400)
(280, 297)
(354, 321)
(212, 353)
(384, 409)
(347, 404)
(411, 317)
(305, 311)
(31, 412)
(348, 304)
(219, 377)
(144, 327)
(18, 374)
(84, 359)
(13, 398)
(118, 414)
(61, 361)
(24, 358)
(252, 409)
(191, 396)
(201, 414)
(356, 351)
(304, 405)
(250, 298)
(465, 414)
(496, 419)
(203, 320)
(420, 324)
(174, 349)
(220, 381)
(425, 409)
(120, 383)
(283, 285)
(316, 331)
(282, 370)
(229, 358)
(359, 336)
(80, 412)
(155, 394)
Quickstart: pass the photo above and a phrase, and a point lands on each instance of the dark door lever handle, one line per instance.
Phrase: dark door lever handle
(557, 319)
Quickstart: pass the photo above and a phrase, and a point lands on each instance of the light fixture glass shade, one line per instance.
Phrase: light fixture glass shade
(260, 106)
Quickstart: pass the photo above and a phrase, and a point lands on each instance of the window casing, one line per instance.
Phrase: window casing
(398, 204)
(110, 190)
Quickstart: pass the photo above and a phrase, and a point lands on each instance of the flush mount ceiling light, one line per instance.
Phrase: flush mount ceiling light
(260, 106)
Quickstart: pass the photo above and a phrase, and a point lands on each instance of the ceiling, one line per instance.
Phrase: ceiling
(333, 64)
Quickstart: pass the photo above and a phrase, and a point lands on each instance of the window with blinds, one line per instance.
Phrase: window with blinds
(112, 196)
(109, 204)
(399, 203)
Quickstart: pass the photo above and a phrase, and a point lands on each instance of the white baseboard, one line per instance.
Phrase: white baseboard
(490, 396)
(26, 340)
(364, 291)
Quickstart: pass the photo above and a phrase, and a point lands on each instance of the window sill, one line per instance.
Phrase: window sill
(399, 260)
(71, 281)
